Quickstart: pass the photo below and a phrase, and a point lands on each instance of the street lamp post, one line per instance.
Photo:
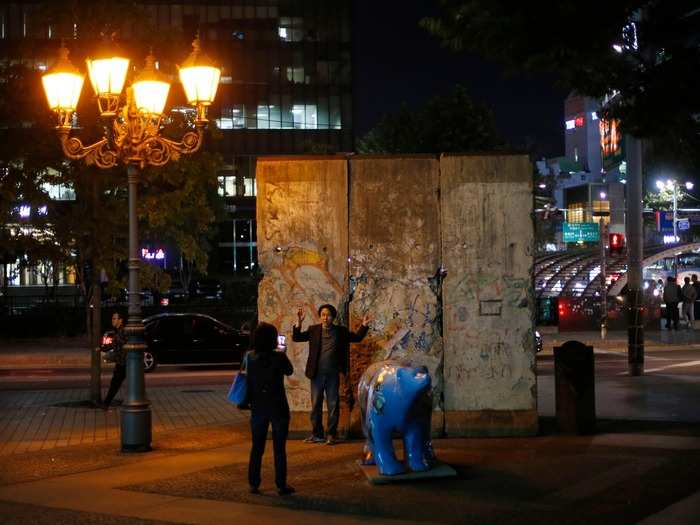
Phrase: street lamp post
(132, 138)
(672, 185)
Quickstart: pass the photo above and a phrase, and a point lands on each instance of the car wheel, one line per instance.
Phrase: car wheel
(149, 361)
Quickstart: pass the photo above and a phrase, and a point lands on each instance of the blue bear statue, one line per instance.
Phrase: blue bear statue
(396, 397)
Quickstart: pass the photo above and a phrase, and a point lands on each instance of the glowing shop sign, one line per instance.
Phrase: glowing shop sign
(158, 255)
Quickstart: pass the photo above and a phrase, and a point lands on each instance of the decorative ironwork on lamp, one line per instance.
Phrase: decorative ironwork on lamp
(132, 131)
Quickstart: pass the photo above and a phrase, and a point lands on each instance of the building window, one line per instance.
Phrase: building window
(291, 29)
(296, 75)
(232, 117)
(576, 213)
(59, 192)
(241, 255)
(227, 186)
(263, 117)
(601, 207)
(250, 187)
(303, 116)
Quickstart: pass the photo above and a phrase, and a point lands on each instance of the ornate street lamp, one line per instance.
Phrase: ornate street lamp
(132, 138)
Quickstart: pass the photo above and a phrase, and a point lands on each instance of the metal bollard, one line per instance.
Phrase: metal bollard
(574, 380)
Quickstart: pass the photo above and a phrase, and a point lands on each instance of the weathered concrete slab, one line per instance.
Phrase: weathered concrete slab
(373, 237)
(394, 257)
(440, 470)
(489, 361)
(302, 221)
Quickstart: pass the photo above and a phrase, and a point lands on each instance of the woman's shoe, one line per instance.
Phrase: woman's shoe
(254, 490)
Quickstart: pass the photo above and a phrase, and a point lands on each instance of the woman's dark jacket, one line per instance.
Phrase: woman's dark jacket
(313, 336)
(266, 371)
(119, 342)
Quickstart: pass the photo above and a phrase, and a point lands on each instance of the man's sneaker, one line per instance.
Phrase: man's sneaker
(330, 440)
(313, 439)
(286, 490)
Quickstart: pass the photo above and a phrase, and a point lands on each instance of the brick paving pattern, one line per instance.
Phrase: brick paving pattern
(42, 420)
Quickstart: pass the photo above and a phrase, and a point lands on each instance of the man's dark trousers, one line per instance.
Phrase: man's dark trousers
(259, 423)
(672, 315)
(328, 384)
(117, 379)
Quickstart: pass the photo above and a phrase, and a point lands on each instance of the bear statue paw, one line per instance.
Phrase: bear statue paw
(391, 469)
(419, 465)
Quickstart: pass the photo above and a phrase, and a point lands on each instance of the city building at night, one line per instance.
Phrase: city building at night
(285, 88)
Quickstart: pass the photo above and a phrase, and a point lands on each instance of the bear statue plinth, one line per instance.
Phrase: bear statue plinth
(396, 397)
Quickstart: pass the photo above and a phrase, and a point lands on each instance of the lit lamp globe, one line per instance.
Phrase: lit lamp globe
(150, 89)
(200, 79)
(107, 74)
(62, 84)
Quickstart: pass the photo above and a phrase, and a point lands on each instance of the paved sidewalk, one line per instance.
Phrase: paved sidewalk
(617, 340)
(60, 463)
(616, 478)
(43, 420)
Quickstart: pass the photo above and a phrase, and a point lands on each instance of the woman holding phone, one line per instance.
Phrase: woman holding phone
(268, 406)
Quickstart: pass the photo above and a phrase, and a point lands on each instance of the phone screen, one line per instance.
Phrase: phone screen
(282, 343)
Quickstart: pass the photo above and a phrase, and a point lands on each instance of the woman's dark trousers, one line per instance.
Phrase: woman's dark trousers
(259, 424)
(117, 379)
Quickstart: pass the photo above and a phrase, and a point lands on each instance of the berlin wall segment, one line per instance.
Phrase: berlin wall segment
(376, 235)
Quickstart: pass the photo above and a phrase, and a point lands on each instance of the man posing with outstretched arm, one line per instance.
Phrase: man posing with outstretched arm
(329, 356)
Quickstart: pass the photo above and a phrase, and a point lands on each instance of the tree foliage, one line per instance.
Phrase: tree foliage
(177, 203)
(447, 123)
(656, 69)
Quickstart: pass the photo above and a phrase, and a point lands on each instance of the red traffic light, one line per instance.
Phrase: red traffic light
(616, 242)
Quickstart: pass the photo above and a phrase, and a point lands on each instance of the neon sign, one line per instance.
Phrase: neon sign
(158, 255)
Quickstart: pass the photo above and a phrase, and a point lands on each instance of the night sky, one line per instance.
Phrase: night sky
(396, 61)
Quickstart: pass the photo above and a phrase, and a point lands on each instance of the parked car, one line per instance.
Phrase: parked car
(177, 338)
(122, 298)
(206, 289)
(177, 293)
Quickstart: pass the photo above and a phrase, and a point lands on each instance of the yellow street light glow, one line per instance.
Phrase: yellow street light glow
(107, 75)
(63, 83)
(150, 89)
(199, 77)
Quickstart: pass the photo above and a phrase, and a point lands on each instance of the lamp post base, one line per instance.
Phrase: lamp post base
(136, 427)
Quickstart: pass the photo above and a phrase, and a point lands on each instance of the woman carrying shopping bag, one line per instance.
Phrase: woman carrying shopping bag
(265, 370)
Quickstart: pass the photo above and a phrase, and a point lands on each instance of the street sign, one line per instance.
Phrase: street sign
(581, 231)
(664, 221)
(683, 224)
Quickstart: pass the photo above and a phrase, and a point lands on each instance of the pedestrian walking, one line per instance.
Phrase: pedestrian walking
(329, 356)
(672, 296)
(119, 372)
(689, 295)
(696, 284)
(267, 398)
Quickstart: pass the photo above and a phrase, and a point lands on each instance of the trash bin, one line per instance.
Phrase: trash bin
(574, 387)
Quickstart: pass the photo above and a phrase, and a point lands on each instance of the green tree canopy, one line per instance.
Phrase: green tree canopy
(446, 123)
(654, 66)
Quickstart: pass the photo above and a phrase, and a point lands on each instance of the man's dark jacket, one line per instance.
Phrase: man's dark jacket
(313, 336)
